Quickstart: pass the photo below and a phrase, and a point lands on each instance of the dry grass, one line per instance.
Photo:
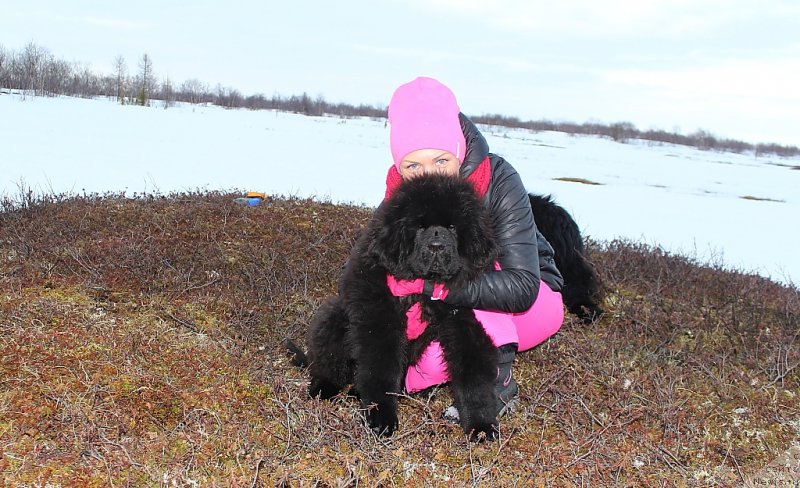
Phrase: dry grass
(140, 346)
(582, 181)
(761, 199)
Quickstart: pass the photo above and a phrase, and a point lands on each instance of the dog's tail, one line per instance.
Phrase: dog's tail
(297, 356)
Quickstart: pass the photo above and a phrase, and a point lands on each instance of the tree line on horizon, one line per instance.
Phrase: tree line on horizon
(36, 71)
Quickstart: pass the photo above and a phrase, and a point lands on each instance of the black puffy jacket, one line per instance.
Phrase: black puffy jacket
(526, 257)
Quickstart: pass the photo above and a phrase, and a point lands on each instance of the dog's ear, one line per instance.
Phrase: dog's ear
(475, 235)
(391, 239)
(478, 244)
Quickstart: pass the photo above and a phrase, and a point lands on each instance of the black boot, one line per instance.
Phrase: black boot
(505, 388)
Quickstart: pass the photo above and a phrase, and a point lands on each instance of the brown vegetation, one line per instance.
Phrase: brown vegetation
(761, 199)
(582, 181)
(140, 344)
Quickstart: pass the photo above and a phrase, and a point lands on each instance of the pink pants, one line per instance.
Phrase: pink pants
(527, 329)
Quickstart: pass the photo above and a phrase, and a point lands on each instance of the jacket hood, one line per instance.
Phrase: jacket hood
(477, 147)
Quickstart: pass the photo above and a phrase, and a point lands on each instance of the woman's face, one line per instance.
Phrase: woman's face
(423, 161)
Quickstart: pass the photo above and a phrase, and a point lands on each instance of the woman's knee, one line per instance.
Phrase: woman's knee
(429, 371)
(542, 321)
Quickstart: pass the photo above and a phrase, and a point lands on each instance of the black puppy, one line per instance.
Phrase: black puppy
(434, 228)
(582, 290)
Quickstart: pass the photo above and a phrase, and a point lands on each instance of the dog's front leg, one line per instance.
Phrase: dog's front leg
(380, 368)
(377, 336)
(471, 360)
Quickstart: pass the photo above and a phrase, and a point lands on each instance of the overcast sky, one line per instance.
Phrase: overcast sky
(731, 67)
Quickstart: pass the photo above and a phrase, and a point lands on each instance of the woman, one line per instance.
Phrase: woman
(519, 303)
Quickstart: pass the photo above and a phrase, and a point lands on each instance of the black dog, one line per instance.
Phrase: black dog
(582, 290)
(435, 228)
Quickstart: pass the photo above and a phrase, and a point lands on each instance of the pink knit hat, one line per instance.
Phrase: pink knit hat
(424, 115)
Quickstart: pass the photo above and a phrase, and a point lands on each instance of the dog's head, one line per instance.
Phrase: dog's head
(433, 227)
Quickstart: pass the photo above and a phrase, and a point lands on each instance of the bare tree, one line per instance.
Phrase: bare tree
(621, 131)
(192, 90)
(228, 97)
(702, 139)
(167, 93)
(146, 80)
(55, 76)
(121, 71)
(85, 83)
(4, 77)
(30, 62)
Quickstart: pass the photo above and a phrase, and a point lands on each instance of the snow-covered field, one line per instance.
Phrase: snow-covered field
(687, 201)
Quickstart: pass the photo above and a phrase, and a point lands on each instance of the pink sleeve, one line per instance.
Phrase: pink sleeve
(401, 288)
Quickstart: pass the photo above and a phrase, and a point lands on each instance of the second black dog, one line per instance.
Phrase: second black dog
(582, 290)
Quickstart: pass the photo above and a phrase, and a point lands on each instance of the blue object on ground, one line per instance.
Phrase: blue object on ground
(249, 201)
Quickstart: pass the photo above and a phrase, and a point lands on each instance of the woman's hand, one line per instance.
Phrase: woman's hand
(400, 288)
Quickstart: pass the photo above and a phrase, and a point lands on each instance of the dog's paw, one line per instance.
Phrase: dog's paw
(482, 431)
(382, 419)
(322, 388)
(588, 314)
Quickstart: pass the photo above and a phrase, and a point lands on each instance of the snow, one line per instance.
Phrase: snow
(685, 200)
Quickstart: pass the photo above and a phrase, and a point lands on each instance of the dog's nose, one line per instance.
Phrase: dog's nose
(435, 246)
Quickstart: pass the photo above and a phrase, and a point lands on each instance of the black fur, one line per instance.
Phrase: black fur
(582, 289)
(433, 227)
(297, 356)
